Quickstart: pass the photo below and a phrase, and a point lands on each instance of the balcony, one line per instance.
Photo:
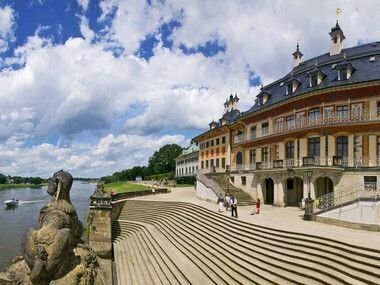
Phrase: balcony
(333, 118)
(311, 161)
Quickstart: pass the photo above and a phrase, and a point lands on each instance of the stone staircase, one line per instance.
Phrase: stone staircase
(182, 243)
(223, 181)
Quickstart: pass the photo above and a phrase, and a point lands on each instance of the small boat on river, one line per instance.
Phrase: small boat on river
(12, 203)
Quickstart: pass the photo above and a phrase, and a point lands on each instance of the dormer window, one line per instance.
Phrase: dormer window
(314, 80)
(315, 77)
(342, 74)
(345, 70)
(289, 88)
(292, 85)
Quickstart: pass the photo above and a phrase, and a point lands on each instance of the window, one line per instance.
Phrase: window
(217, 162)
(265, 128)
(217, 141)
(370, 182)
(253, 132)
(378, 108)
(378, 150)
(217, 151)
(206, 163)
(314, 147)
(342, 147)
(232, 179)
(223, 149)
(206, 144)
(202, 165)
(212, 142)
(335, 39)
(314, 113)
(342, 111)
(289, 88)
(290, 150)
(314, 80)
(223, 139)
(193, 169)
(223, 163)
(342, 74)
(264, 154)
(290, 120)
(212, 152)
(243, 180)
(252, 156)
(211, 162)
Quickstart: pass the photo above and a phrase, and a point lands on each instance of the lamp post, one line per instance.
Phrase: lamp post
(309, 202)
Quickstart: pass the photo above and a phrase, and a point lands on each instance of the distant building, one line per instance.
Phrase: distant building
(138, 179)
(187, 162)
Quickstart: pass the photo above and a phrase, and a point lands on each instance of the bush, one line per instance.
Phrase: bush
(190, 180)
(162, 176)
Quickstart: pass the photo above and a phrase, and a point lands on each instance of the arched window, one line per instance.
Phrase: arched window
(239, 158)
(342, 146)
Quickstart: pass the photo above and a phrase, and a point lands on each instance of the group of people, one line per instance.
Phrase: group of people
(229, 202)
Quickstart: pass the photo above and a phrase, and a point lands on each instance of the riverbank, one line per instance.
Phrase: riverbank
(21, 185)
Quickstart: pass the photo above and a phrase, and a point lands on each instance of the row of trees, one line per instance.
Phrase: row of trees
(20, 180)
(162, 161)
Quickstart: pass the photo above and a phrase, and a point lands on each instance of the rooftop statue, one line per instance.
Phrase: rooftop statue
(53, 253)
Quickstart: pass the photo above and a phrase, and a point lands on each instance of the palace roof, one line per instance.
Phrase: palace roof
(364, 61)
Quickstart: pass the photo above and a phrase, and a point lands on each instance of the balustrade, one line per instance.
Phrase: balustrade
(331, 118)
(310, 161)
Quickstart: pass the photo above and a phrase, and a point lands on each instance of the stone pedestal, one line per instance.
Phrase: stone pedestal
(99, 225)
(309, 209)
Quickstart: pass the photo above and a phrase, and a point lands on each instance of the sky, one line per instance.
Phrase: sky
(94, 87)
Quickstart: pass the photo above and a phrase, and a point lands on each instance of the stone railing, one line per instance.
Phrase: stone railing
(345, 195)
(126, 195)
(209, 183)
(310, 161)
(333, 118)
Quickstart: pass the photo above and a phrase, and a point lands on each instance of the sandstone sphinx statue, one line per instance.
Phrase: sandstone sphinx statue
(53, 253)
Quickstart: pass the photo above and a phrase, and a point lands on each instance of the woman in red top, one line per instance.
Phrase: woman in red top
(258, 202)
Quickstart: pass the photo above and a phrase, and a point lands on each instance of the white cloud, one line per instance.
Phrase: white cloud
(79, 87)
(111, 154)
(83, 4)
(7, 25)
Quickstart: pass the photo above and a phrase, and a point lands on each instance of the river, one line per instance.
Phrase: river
(15, 222)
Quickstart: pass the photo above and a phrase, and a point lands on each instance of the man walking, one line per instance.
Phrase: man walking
(221, 203)
(233, 203)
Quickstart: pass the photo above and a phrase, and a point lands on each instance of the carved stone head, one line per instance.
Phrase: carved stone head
(59, 186)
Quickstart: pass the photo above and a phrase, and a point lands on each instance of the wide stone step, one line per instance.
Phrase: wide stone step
(289, 258)
(274, 263)
(207, 237)
(345, 259)
(337, 245)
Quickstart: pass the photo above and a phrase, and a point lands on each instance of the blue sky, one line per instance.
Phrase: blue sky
(97, 86)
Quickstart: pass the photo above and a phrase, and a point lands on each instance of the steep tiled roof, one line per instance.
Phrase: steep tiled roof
(359, 58)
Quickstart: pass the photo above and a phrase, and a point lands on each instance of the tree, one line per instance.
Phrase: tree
(3, 179)
(163, 160)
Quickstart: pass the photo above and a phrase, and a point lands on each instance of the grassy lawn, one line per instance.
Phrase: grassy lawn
(119, 187)
(12, 186)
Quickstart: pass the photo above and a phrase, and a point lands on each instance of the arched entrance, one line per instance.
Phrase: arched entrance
(268, 191)
(323, 186)
(294, 191)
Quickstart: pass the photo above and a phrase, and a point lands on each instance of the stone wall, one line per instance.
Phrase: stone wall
(100, 231)
(205, 193)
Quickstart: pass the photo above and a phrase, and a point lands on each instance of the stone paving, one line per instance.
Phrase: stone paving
(289, 219)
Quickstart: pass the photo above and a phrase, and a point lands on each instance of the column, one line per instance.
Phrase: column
(372, 150)
(303, 148)
(351, 150)
(280, 194)
(281, 146)
(323, 153)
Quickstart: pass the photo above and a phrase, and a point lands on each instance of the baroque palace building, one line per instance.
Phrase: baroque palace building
(312, 132)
